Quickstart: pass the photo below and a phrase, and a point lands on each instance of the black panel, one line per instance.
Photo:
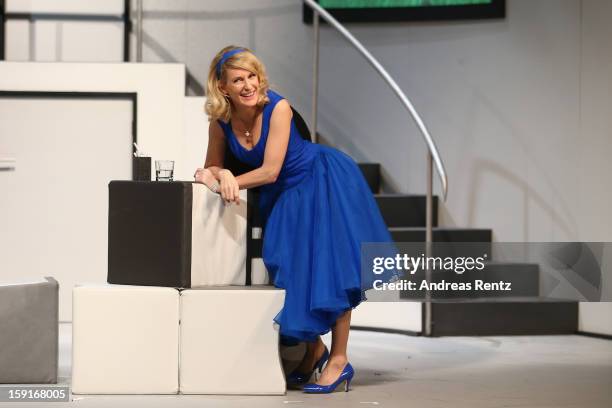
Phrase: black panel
(525, 279)
(253, 249)
(301, 125)
(149, 233)
(405, 210)
(441, 234)
(127, 29)
(2, 28)
(450, 241)
(508, 318)
(497, 9)
(141, 168)
(371, 173)
(594, 335)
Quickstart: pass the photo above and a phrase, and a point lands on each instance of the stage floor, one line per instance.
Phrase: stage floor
(395, 370)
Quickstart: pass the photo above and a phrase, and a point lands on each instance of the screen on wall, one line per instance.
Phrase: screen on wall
(409, 10)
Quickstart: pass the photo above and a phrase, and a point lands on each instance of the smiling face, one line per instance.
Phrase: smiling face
(242, 86)
(235, 82)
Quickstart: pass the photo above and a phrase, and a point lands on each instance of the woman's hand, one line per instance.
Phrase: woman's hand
(230, 190)
(205, 176)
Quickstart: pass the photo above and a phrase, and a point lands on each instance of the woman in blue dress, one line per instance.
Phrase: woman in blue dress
(316, 206)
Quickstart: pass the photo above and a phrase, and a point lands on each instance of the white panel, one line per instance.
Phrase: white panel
(17, 40)
(54, 204)
(229, 341)
(47, 46)
(114, 7)
(125, 340)
(91, 41)
(218, 239)
(196, 132)
(78, 41)
(595, 318)
(259, 273)
(388, 315)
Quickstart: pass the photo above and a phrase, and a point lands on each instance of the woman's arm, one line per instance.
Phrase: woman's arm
(214, 159)
(216, 149)
(276, 148)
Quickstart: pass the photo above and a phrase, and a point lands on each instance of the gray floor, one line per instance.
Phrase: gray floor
(401, 371)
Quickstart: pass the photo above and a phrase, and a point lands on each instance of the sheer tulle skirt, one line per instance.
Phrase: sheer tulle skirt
(312, 245)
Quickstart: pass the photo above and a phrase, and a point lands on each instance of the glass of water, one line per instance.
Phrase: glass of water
(164, 170)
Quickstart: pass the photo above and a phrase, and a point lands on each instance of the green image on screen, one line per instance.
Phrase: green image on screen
(357, 4)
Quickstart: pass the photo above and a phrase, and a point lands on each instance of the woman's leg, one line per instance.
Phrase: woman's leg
(337, 358)
(314, 351)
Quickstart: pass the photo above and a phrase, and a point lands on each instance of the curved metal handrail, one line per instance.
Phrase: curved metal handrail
(431, 145)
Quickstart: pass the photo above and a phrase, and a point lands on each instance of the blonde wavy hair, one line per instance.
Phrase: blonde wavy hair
(217, 106)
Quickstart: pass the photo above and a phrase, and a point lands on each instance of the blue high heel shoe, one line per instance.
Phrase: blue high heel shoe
(296, 378)
(347, 375)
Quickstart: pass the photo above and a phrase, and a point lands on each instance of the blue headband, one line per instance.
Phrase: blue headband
(226, 55)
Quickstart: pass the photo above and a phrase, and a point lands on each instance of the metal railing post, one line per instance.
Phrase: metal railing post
(139, 31)
(315, 77)
(320, 12)
(428, 240)
(127, 29)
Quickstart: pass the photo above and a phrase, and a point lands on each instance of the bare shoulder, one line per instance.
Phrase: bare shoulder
(282, 110)
(214, 129)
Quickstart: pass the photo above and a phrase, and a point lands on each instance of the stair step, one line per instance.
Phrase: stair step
(402, 210)
(524, 280)
(371, 173)
(494, 318)
(404, 214)
(447, 241)
(398, 210)
(441, 234)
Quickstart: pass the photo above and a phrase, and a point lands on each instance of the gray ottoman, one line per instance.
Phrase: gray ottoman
(28, 332)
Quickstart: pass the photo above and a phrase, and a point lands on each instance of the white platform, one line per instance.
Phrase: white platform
(125, 340)
(229, 342)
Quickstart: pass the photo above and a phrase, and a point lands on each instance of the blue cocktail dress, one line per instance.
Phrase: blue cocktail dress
(316, 215)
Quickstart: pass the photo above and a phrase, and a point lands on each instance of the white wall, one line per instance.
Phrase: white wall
(65, 6)
(503, 99)
(593, 185)
(63, 39)
(193, 31)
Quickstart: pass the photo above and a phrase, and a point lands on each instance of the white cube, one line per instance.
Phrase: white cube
(125, 340)
(218, 239)
(229, 341)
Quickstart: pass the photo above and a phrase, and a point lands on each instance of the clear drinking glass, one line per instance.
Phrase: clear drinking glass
(164, 170)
